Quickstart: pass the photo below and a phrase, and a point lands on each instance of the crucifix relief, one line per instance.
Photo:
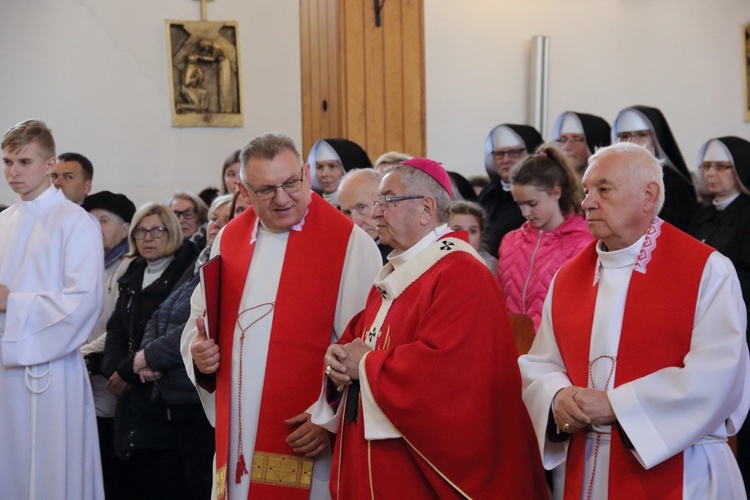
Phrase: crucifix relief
(204, 72)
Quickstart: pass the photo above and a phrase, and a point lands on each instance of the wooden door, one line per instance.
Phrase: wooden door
(360, 81)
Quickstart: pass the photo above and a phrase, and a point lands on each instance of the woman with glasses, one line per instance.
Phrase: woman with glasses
(505, 146)
(160, 353)
(724, 173)
(143, 438)
(578, 135)
(647, 127)
(191, 212)
(724, 223)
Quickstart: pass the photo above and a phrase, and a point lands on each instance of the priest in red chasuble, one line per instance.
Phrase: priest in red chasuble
(423, 389)
(294, 271)
(639, 370)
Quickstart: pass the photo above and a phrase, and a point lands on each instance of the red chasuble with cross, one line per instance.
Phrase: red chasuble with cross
(656, 333)
(301, 332)
(443, 372)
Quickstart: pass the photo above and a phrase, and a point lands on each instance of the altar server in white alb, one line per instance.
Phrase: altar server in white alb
(50, 297)
(639, 371)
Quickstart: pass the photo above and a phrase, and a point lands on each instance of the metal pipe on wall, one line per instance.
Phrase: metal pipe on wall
(539, 83)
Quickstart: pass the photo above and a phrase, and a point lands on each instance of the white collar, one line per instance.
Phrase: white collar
(721, 205)
(413, 251)
(637, 255)
(296, 227)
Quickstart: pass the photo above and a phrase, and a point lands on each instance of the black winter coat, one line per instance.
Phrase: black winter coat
(140, 416)
(161, 344)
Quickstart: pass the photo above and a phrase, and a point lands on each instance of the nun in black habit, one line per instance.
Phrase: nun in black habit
(329, 160)
(724, 223)
(505, 146)
(648, 127)
(570, 127)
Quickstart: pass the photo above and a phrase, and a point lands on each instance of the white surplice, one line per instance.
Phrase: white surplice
(360, 267)
(51, 259)
(693, 408)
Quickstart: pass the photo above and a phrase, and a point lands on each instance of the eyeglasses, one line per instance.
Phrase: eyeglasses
(289, 187)
(638, 134)
(359, 208)
(383, 201)
(511, 153)
(156, 233)
(718, 166)
(571, 139)
(188, 214)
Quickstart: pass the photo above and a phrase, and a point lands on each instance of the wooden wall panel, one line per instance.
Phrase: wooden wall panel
(372, 78)
(354, 67)
(323, 54)
(374, 84)
(333, 93)
(413, 65)
(393, 73)
(314, 83)
(305, 72)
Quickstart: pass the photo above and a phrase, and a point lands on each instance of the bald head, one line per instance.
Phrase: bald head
(356, 193)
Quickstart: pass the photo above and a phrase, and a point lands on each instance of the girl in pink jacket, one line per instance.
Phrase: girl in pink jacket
(549, 195)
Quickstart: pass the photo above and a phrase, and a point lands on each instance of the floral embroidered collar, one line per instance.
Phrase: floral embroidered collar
(648, 245)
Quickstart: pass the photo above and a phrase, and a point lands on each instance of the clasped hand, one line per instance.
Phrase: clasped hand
(141, 368)
(344, 361)
(579, 407)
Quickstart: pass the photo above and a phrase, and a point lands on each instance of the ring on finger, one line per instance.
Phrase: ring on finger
(566, 427)
(328, 370)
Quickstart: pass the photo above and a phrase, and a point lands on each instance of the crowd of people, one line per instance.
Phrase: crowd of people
(328, 326)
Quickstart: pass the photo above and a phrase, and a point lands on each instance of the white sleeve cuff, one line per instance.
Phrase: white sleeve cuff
(377, 425)
(323, 415)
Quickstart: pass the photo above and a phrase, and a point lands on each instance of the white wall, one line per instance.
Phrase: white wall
(96, 72)
(682, 56)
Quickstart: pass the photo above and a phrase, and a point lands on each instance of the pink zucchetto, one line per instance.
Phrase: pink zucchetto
(434, 170)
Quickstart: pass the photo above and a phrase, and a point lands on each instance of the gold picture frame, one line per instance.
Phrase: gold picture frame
(204, 73)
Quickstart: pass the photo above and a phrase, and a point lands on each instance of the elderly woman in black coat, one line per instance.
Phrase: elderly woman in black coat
(143, 439)
(159, 359)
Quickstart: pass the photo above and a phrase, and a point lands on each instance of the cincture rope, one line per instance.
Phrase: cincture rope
(31, 378)
(241, 469)
(613, 359)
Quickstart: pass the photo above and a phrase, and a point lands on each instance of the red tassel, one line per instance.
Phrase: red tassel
(241, 468)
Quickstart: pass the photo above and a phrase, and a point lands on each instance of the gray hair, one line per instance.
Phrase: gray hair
(219, 201)
(418, 182)
(267, 147)
(368, 173)
(200, 206)
(391, 158)
(638, 163)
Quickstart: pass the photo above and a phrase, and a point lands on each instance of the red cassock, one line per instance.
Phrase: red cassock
(444, 373)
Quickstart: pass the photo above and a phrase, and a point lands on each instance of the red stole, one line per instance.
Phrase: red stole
(659, 314)
(301, 332)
